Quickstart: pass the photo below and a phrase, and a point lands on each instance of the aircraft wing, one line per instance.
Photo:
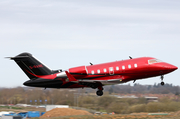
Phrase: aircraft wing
(105, 80)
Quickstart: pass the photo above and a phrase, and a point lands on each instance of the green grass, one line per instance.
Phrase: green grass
(10, 107)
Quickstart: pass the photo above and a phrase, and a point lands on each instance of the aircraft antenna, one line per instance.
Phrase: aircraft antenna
(91, 63)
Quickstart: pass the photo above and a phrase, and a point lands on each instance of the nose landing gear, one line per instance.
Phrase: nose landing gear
(162, 77)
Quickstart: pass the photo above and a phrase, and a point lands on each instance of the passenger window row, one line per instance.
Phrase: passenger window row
(111, 69)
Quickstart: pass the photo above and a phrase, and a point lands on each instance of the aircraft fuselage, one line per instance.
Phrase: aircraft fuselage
(94, 76)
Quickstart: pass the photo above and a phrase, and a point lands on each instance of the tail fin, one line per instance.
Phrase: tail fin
(31, 66)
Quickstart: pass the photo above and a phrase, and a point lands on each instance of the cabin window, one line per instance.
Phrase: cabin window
(92, 72)
(111, 68)
(123, 67)
(135, 65)
(117, 68)
(105, 70)
(129, 66)
(98, 71)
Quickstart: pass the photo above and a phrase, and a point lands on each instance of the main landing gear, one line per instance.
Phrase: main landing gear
(100, 91)
(162, 77)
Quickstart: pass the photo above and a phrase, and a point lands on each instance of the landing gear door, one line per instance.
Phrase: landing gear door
(111, 70)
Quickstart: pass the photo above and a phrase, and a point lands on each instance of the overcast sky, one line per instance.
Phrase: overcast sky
(69, 33)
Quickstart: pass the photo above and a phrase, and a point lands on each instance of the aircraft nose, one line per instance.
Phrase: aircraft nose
(171, 67)
(174, 67)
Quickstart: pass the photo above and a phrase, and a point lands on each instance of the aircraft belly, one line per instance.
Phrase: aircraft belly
(44, 83)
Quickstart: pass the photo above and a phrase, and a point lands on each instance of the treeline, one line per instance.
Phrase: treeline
(37, 96)
(127, 105)
(138, 88)
(87, 98)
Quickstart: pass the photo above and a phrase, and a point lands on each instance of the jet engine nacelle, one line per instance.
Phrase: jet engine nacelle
(78, 70)
(75, 70)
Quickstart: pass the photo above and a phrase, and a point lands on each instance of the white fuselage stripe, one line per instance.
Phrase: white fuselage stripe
(86, 70)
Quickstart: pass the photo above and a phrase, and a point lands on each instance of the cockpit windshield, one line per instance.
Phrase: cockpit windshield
(152, 61)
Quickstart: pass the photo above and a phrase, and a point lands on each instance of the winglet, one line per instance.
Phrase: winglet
(71, 78)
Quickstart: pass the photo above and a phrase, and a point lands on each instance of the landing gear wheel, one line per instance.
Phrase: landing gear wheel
(162, 77)
(162, 83)
(99, 92)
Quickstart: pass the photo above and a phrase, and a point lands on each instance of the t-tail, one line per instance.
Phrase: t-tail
(31, 66)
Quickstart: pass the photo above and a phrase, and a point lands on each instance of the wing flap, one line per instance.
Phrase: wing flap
(105, 82)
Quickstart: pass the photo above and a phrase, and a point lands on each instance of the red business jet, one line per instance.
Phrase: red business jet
(93, 76)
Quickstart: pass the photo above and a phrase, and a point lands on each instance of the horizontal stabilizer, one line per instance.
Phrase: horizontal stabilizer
(71, 78)
(17, 57)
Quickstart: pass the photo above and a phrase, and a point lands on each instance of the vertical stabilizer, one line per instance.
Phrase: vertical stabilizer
(31, 66)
